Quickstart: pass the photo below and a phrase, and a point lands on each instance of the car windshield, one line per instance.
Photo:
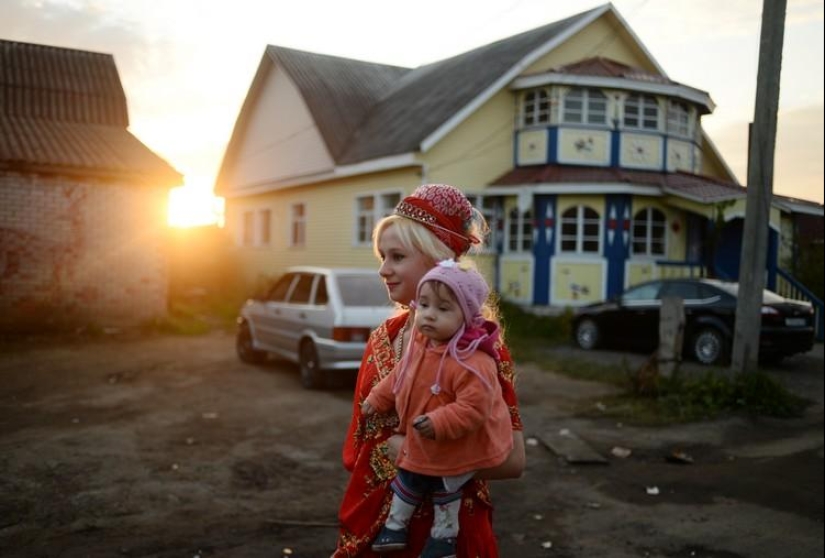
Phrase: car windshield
(768, 297)
(363, 290)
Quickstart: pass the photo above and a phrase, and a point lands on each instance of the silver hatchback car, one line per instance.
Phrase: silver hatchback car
(317, 317)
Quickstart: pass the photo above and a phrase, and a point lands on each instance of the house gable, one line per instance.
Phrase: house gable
(281, 140)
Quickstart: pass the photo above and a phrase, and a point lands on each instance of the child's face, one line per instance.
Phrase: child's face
(438, 315)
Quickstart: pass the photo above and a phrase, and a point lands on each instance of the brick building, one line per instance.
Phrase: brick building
(82, 201)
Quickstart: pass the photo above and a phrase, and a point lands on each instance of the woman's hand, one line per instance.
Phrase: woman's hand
(513, 466)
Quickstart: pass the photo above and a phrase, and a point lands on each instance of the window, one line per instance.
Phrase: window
(248, 238)
(265, 227)
(490, 208)
(519, 230)
(641, 112)
(370, 209)
(281, 288)
(642, 294)
(303, 289)
(585, 106)
(678, 118)
(580, 230)
(298, 225)
(649, 233)
(536, 107)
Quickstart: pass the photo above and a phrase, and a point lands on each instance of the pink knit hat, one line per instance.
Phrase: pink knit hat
(471, 292)
(468, 286)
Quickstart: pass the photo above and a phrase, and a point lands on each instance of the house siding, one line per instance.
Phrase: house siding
(80, 252)
(330, 222)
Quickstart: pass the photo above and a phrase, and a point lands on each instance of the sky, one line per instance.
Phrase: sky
(186, 65)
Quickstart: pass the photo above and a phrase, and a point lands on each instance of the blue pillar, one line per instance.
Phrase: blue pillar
(616, 239)
(544, 247)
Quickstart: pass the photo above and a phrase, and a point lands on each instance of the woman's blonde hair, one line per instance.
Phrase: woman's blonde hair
(416, 237)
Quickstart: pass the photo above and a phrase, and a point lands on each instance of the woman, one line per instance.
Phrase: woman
(435, 223)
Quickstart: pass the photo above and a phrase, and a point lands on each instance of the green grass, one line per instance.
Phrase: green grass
(647, 398)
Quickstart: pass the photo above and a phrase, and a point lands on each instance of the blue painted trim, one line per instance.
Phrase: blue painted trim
(615, 145)
(553, 145)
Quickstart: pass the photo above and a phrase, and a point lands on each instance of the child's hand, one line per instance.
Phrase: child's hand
(424, 426)
(366, 408)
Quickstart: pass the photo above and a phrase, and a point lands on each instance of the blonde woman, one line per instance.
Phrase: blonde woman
(434, 223)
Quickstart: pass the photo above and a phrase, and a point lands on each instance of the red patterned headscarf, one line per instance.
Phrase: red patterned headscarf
(445, 211)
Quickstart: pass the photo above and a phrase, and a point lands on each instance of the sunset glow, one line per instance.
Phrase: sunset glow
(191, 206)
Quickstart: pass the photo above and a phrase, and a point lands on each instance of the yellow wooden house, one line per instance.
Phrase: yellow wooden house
(590, 164)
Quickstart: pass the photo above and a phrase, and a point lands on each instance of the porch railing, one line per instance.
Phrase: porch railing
(789, 287)
(786, 285)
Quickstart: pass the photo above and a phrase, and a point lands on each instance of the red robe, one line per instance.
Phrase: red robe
(367, 498)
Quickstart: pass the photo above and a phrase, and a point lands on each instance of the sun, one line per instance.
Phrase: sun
(194, 206)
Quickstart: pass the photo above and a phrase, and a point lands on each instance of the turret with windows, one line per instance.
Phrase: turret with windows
(602, 113)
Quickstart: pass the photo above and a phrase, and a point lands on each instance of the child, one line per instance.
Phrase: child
(449, 405)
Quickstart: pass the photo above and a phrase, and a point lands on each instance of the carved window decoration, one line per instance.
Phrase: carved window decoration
(649, 229)
(641, 112)
(584, 106)
(536, 107)
(581, 230)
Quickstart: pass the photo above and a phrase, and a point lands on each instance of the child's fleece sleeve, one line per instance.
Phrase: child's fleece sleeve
(381, 396)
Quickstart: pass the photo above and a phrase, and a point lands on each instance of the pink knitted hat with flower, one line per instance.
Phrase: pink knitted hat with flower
(468, 286)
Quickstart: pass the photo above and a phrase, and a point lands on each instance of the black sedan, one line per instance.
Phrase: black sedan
(631, 320)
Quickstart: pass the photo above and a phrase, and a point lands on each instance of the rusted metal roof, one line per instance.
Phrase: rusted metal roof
(691, 186)
(606, 67)
(64, 110)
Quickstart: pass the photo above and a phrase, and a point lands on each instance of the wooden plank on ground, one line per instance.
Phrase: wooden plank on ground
(573, 449)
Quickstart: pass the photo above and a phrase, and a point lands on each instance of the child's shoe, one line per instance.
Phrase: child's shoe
(439, 548)
(389, 540)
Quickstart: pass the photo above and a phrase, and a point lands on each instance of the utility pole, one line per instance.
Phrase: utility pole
(745, 357)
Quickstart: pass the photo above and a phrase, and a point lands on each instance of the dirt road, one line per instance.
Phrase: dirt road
(170, 447)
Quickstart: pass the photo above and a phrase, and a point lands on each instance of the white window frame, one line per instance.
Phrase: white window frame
(590, 110)
(264, 227)
(491, 209)
(581, 223)
(678, 118)
(536, 107)
(247, 229)
(645, 223)
(641, 112)
(381, 204)
(297, 225)
(518, 230)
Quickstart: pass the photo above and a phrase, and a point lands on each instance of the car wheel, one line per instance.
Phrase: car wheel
(588, 334)
(710, 346)
(245, 349)
(311, 374)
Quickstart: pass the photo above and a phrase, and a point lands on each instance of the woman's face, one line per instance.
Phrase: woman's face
(401, 269)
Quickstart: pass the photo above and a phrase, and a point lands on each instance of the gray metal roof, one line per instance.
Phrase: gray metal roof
(365, 110)
(64, 110)
(428, 96)
(339, 92)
